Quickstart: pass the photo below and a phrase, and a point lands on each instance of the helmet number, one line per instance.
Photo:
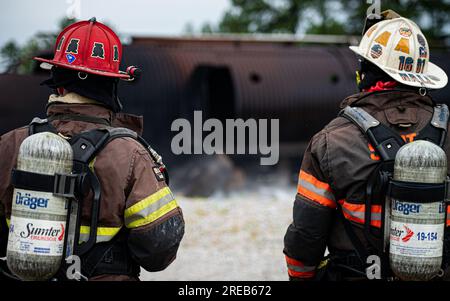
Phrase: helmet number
(420, 65)
(406, 64)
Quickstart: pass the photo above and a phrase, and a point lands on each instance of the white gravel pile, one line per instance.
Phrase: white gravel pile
(233, 237)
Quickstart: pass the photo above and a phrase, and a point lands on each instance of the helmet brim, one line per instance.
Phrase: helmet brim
(47, 64)
(437, 76)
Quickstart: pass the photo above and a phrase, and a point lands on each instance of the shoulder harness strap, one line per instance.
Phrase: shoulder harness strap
(38, 125)
(86, 146)
(378, 134)
(162, 174)
(383, 139)
(114, 133)
(436, 130)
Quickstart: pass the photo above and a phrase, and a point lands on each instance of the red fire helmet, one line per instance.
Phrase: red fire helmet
(90, 47)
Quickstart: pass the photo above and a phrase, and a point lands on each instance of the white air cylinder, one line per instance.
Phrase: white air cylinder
(416, 228)
(38, 219)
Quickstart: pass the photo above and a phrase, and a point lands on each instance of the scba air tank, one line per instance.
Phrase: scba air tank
(38, 219)
(417, 228)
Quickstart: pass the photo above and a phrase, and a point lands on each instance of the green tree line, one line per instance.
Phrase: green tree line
(326, 16)
(18, 59)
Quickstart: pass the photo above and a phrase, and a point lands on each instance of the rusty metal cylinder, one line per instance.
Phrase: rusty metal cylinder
(417, 228)
(38, 219)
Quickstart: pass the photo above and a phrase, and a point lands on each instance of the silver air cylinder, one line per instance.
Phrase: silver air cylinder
(38, 219)
(417, 229)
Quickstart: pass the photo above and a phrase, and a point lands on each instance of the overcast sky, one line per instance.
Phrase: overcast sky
(21, 19)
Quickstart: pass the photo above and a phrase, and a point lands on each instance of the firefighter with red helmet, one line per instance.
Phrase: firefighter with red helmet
(138, 223)
(339, 215)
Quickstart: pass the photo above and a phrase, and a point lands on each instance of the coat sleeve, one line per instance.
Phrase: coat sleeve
(152, 215)
(314, 209)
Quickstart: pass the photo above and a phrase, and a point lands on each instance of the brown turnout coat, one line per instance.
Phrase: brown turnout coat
(132, 196)
(334, 171)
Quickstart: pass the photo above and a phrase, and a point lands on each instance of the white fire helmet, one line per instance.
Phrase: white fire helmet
(400, 49)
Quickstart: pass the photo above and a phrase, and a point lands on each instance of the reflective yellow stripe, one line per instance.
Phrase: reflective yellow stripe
(8, 222)
(103, 233)
(154, 216)
(147, 201)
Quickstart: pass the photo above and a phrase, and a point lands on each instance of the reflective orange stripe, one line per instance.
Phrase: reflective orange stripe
(315, 197)
(360, 207)
(293, 261)
(358, 211)
(317, 191)
(375, 223)
(301, 274)
(298, 269)
(311, 179)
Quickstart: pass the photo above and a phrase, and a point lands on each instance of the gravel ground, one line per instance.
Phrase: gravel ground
(233, 237)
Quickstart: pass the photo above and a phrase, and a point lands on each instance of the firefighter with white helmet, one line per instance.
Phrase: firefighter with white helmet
(84, 176)
(399, 48)
(376, 212)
